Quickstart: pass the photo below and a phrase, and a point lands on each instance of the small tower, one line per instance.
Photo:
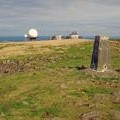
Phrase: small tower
(100, 56)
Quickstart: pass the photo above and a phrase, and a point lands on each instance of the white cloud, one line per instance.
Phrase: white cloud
(86, 16)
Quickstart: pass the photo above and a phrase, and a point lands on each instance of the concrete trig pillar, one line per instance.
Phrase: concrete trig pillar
(100, 57)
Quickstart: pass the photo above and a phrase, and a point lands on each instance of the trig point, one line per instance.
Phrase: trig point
(100, 56)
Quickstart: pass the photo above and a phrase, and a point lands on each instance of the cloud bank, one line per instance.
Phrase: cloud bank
(89, 17)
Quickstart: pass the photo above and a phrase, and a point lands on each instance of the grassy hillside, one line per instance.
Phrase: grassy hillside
(40, 81)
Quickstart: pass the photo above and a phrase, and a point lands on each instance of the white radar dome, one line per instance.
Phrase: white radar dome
(33, 33)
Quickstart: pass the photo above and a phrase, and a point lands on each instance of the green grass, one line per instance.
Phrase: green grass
(39, 93)
(92, 90)
(76, 94)
(107, 79)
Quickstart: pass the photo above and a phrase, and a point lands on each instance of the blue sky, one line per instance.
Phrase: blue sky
(88, 17)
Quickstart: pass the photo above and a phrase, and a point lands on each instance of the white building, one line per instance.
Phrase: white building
(57, 37)
(74, 35)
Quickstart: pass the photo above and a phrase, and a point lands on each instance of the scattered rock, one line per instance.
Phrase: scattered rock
(6, 71)
(95, 115)
(117, 70)
(8, 61)
(80, 67)
(8, 66)
(47, 115)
